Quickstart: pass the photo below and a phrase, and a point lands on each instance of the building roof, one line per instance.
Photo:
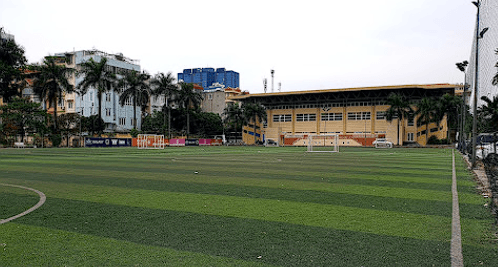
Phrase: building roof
(354, 89)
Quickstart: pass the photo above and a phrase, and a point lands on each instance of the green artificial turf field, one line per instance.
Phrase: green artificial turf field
(238, 206)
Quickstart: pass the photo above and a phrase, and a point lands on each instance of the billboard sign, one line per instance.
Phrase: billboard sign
(107, 142)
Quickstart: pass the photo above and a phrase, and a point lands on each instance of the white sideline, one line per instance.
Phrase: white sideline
(456, 231)
(39, 204)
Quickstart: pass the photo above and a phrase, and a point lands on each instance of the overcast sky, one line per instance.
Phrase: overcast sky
(313, 44)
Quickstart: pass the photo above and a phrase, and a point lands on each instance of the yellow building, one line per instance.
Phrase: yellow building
(358, 115)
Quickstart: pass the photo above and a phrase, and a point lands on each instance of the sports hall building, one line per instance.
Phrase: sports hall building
(357, 115)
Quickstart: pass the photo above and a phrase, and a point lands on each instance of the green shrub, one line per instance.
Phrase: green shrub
(56, 140)
(134, 133)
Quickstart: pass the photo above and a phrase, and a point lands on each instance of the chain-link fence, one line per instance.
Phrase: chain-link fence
(491, 167)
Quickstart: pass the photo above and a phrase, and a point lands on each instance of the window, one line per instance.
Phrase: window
(434, 130)
(306, 117)
(381, 115)
(411, 121)
(108, 112)
(356, 116)
(129, 101)
(91, 97)
(108, 97)
(331, 117)
(282, 118)
(122, 121)
(70, 104)
(410, 137)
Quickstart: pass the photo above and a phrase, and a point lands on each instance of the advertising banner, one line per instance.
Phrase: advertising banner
(107, 142)
(176, 142)
(192, 142)
(204, 142)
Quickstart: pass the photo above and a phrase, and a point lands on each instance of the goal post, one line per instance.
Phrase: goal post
(150, 141)
(323, 143)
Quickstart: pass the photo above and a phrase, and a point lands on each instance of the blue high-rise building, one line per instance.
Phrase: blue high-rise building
(206, 77)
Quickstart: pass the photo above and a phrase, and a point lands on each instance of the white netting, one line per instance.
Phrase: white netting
(150, 141)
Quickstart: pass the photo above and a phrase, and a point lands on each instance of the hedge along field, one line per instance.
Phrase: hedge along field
(238, 206)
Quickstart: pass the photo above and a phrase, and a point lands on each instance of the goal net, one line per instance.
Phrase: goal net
(150, 141)
(323, 143)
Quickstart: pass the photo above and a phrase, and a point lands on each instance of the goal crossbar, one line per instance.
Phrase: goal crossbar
(323, 143)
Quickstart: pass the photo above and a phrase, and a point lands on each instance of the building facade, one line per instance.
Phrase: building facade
(358, 115)
(486, 55)
(206, 77)
(117, 118)
(215, 100)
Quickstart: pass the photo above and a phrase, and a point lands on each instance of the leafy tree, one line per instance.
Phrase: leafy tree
(154, 123)
(136, 88)
(189, 97)
(97, 76)
(69, 124)
(21, 116)
(12, 64)
(254, 112)
(164, 86)
(51, 83)
(93, 125)
(206, 124)
(233, 117)
(426, 111)
(399, 108)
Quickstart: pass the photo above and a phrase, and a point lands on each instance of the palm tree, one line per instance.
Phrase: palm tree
(426, 111)
(490, 111)
(189, 97)
(99, 77)
(448, 105)
(255, 112)
(164, 85)
(233, 116)
(137, 88)
(51, 83)
(399, 107)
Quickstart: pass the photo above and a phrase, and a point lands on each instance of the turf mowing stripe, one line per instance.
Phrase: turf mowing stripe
(419, 206)
(272, 183)
(246, 239)
(311, 214)
(26, 245)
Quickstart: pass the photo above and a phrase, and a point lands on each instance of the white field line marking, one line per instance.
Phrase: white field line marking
(456, 231)
(39, 204)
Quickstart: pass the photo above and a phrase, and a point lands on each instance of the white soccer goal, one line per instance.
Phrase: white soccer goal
(150, 141)
(323, 143)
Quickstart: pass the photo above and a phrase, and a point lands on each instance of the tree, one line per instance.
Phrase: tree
(12, 64)
(189, 97)
(51, 83)
(233, 117)
(154, 123)
(490, 112)
(137, 89)
(69, 124)
(164, 86)
(92, 124)
(96, 75)
(449, 106)
(21, 116)
(255, 112)
(399, 108)
(426, 112)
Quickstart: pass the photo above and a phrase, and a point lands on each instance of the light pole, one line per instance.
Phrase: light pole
(81, 115)
(479, 35)
(462, 66)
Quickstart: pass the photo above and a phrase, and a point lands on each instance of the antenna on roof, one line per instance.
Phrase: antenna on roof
(280, 87)
(272, 72)
(265, 81)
